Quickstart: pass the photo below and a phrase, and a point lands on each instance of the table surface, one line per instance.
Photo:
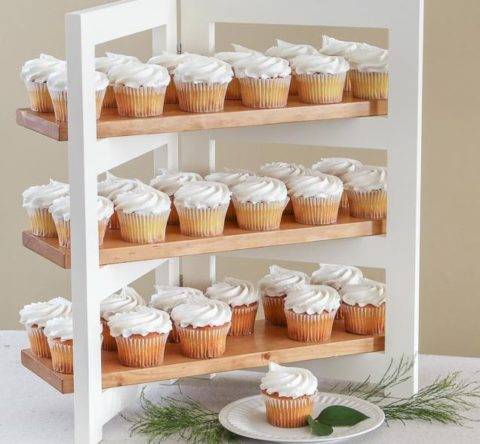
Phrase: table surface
(33, 412)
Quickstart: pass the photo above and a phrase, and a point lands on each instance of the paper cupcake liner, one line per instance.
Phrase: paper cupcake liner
(38, 341)
(233, 90)
(143, 229)
(368, 320)
(109, 343)
(262, 216)
(288, 412)
(204, 222)
(63, 231)
(114, 223)
(171, 92)
(109, 100)
(62, 355)
(60, 104)
(243, 320)
(303, 327)
(201, 97)
(293, 91)
(320, 88)
(339, 315)
(313, 211)
(141, 351)
(344, 206)
(274, 309)
(265, 93)
(368, 204)
(139, 102)
(39, 97)
(203, 342)
(42, 223)
(173, 336)
(348, 83)
(369, 85)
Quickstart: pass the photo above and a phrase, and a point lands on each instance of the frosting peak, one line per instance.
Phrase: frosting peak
(112, 186)
(229, 177)
(58, 81)
(171, 60)
(60, 208)
(61, 328)
(39, 69)
(260, 189)
(319, 64)
(366, 292)
(312, 299)
(337, 166)
(289, 51)
(142, 200)
(317, 186)
(170, 181)
(292, 382)
(202, 313)
(202, 195)
(104, 64)
(234, 292)
(38, 313)
(167, 297)
(42, 196)
(280, 280)
(262, 67)
(282, 170)
(337, 276)
(203, 70)
(366, 178)
(138, 75)
(125, 300)
(141, 320)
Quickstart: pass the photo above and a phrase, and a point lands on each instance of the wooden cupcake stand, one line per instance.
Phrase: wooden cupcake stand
(101, 385)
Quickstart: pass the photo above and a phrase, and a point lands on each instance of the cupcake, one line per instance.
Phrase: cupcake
(369, 73)
(125, 300)
(273, 290)
(141, 335)
(143, 214)
(36, 201)
(310, 312)
(105, 64)
(259, 203)
(289, 394)
(59, 334)
(336, 276)
(35, 316)
(366, 189)
(202, 207)
(57, 87)
(242, 298)
(202, 84)
(169, 182)
(264, 81)
(60, 211)
(202, 327)
(168, 297)
(35, 74)
(315, 198)
(139, 89)
(320, 78)
(363, 307)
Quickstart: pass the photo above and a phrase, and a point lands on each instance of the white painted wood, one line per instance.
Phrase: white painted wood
(114, 400)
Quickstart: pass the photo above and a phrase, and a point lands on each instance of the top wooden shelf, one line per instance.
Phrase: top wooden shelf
(233, 116)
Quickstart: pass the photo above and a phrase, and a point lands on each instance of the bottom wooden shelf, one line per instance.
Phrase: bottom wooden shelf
(268, 343)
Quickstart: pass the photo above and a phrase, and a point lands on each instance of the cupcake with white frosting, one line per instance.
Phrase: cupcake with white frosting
(141, 335)
(202, 207)
(125, 300)
(34, 317)
(310, 312)
(202, 327)
(143, 214)
(202, 84)
(366, 189)
(36, 200)
(60, 211)
(242, 297)
(169, 182)
(289, 394)
(274, 288)
(364, 306)
(57, 84)
(369, 73)
(259, 203)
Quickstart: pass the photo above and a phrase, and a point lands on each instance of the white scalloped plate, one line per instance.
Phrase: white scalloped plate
(246, 417)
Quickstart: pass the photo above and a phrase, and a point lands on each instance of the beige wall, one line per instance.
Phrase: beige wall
(449, 267)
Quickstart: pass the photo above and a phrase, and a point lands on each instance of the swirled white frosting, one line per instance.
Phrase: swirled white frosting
(112, 186)
(312, 299)
(337, 276)
(318, 186)
(233, 57)
(240, 48)
(170, 181)
(259, 66)
(369, 60)
(280, 280)
(38, 313)
(61, 328)
(291, 382)
(366, 178)
(319, 64)
(334, 47)
(39, 69)
(282, 170)
(229, 177)
(58, 81)
(141, 320)
(139, 75)
(105, 64)
(289, 51)
(171, 60)
(202, 195)
(260, 189)
(366, 292)
(167, 297)
(234, 292)
(203, 70)
(338, 166)
(42, 196)
(60, 208)
(202, 313)
(125, 300)
(142, 200)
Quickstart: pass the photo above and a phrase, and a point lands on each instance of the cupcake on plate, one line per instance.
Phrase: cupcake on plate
(242, 298)
(289, 394)
(168, 297)
(34, 317)
(315, 198)
(58, 88)
(35, 74)
(363, 307)
(202, 207)
(310, 312)
(143, 214)
(60, 211)
(125, 300)
(259, 203)
(369, 73)
(202, 327)
(169, 182)
(366, 189)
(141, 335)
(36, 201)
(274, 288)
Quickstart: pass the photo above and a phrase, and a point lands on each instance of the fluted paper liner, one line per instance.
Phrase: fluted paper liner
(288, 412)
(204, 222)
(141, 351)
(320, 88)
(348, 83)
(265, 93)
(304, 327)
(114, 223)
(203, 342)
(42, 223)
(109, 100)
(38, 341)
(233, 90)
(368, 320)
(143, 229)
(201, 97)
(109, 342)
(369, 85)
(243, 320)
(316, 211)
(63, 231)
(368, 204)
(274, 309)
(344, 206)
(62, 355)
(39, 97)
(261, 216)
(60, 104)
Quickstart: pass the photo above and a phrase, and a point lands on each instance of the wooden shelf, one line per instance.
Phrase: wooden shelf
(114, 250)
(268, 343)
(234, 115)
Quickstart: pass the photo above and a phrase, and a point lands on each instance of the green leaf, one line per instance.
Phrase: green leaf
(318, 428)
(340, 416)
